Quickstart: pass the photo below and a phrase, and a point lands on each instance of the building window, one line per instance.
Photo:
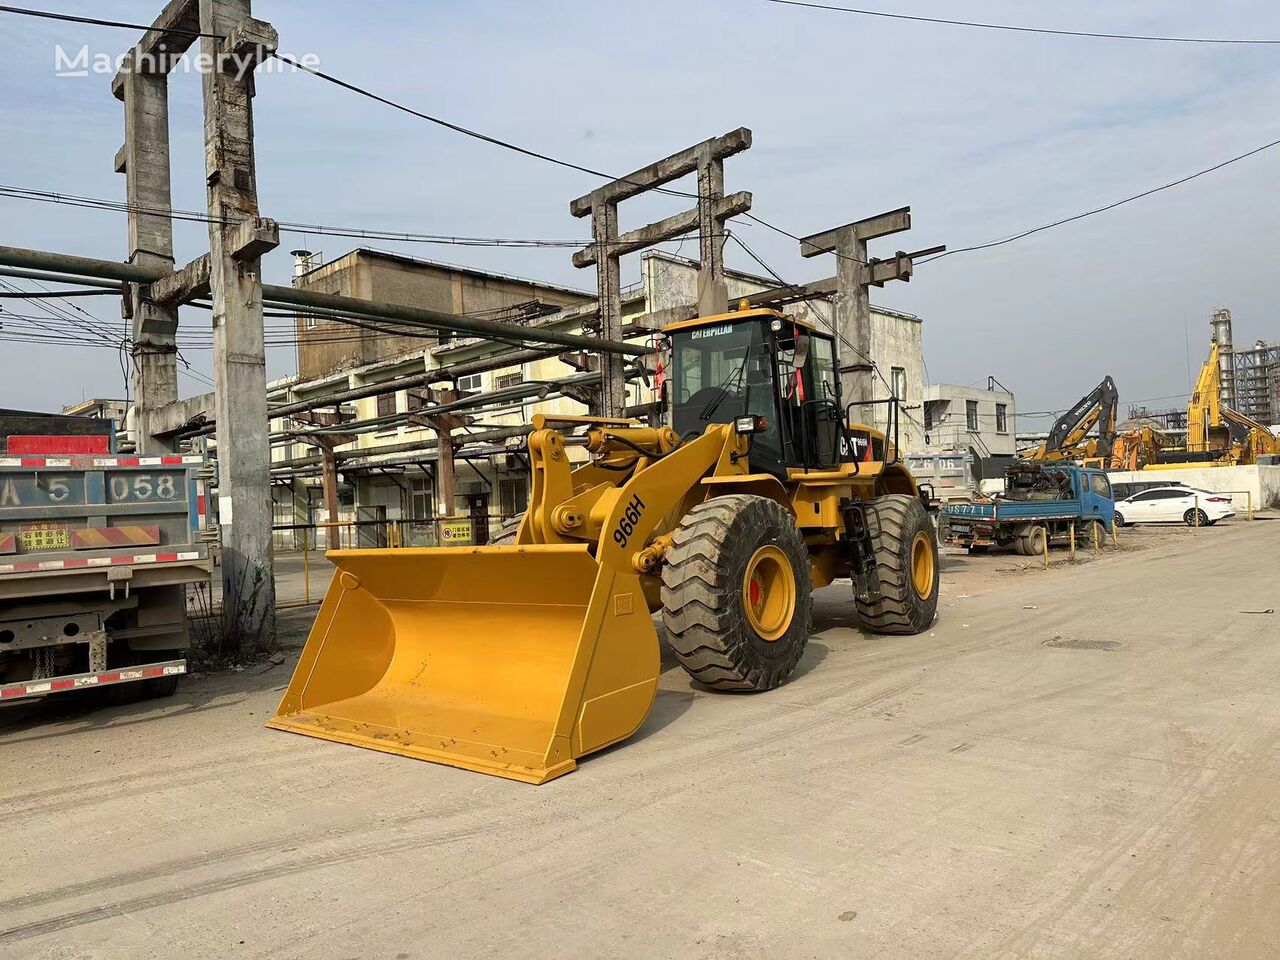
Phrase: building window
(898, 378)
(415, 400)
(971, 415)
(311, 323)
(928, 416)
(386, 404)
(1002, 422)
(513, 496)
(508, 380)
(470, 384)
(422, 500)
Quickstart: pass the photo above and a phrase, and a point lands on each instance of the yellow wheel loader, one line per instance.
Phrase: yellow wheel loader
(519, 658)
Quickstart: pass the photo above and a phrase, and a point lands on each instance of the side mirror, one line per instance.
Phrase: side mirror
(801, 355)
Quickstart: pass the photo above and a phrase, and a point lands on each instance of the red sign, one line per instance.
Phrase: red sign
(52, 446)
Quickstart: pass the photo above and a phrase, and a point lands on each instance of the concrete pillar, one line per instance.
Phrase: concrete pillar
(329, 483)
(613, 381)
(237, 240)
(144, 160)
(446, 489)
(713, 292)
(853, 324)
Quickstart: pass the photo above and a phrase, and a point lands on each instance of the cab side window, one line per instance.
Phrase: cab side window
(1100, 485)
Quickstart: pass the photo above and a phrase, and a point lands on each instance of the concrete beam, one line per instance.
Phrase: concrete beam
(189, 283)
(250, 43)
(252, 238)
(669, 168)
(895, 221)
(804, 291)
(174, 417)
(161, 48)
(674, 226)
(649, 322)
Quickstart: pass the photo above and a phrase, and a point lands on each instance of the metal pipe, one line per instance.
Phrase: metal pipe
(57, 278)
(290, 296)
(83, 266)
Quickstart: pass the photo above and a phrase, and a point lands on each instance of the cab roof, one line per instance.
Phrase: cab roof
(739, 316)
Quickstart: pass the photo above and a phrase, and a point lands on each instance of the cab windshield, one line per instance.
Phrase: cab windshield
(720, 372)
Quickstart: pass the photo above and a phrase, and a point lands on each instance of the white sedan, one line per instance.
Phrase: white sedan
(1173, 505)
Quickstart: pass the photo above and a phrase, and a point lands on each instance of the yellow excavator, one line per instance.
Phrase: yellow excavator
(1136, 448)
(1217, 434)
(518, 659)
(1069, 438)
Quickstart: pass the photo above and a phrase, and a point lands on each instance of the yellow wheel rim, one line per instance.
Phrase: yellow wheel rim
(922, 565)
(769, 592)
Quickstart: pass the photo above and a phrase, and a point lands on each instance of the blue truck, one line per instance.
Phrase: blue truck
(1040, 503)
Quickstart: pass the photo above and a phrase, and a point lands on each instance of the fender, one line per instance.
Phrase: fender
(756, 484)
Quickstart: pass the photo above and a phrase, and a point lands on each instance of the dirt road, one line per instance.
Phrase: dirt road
(1079, 763)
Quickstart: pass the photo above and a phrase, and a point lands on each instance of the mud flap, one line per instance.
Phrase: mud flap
(512, 660)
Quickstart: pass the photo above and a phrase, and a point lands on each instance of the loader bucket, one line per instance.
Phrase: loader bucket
(512, 660)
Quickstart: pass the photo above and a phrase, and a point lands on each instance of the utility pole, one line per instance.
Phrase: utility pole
(238, 238)
(856, 273)
(706, 159)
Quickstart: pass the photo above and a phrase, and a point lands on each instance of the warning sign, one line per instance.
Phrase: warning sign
(44, 535)
(455, 534)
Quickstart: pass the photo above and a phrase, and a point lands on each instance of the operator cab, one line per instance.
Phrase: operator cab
(775, 368)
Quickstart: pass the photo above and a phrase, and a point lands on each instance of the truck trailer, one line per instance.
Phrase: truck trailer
(97, 551)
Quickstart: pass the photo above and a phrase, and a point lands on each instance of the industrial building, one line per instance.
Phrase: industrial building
(959, 417)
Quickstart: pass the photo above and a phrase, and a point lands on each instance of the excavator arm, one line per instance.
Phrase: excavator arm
(1067, 437)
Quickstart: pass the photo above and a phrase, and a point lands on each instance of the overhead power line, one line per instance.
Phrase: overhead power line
(499, 142)
(1110, 206)
(1090, 34)
(69, 18)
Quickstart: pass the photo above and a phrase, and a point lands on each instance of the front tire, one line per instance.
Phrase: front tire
(505, 535)
(906, 552)
(736, 593)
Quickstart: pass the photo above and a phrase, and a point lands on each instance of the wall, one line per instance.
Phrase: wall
(405, 281)
(1262, 482)
(946, 409)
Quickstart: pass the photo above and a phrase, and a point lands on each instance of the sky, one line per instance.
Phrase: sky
(982, 133)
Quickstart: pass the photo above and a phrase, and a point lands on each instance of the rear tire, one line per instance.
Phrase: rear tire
(729, 630)
(1189, 518)
(906, 551)
(1032, 541)
(1119, 519)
